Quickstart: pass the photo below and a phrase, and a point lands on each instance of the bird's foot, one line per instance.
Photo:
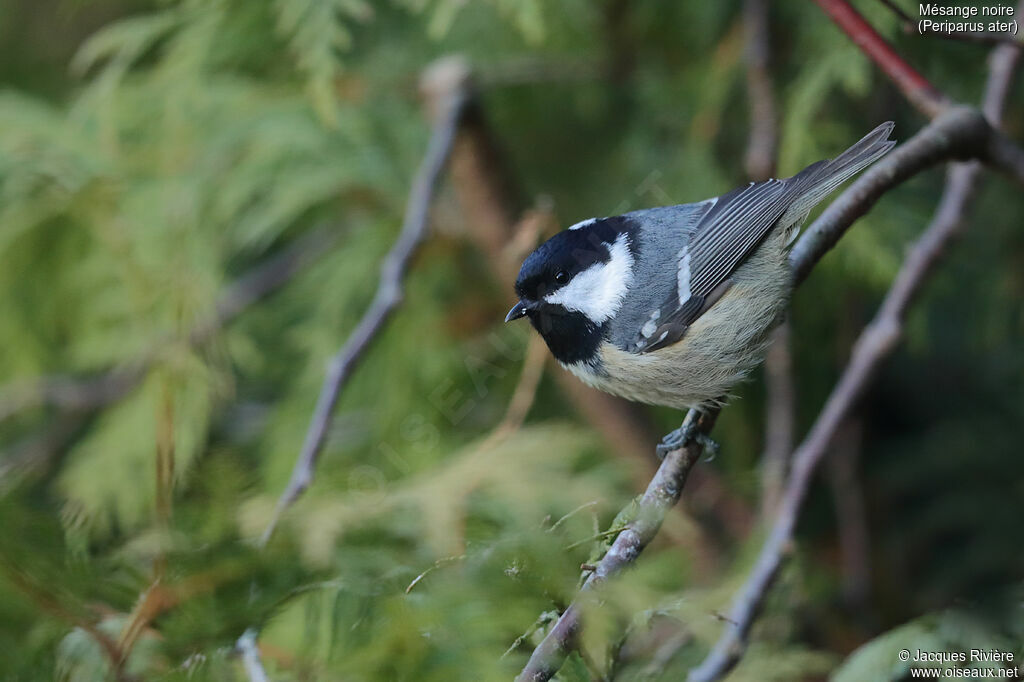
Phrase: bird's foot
(684, 434)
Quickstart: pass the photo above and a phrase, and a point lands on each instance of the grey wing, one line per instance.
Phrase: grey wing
(736, 224)
(726, 234)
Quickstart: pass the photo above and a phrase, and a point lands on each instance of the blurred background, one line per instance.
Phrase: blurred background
(194, 200)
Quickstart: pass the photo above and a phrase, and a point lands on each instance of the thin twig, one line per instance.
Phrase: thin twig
(661, 495)
(875, 344)
(572, 513)
(444, 561)
(542, 620)
(905, 18)
(596, 536)
(389, 294)
(250, 653)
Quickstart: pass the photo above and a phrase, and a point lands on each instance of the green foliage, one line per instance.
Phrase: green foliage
(949, 632)
(184, 142)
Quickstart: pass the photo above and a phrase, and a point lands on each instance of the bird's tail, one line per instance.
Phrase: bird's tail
(820, 179)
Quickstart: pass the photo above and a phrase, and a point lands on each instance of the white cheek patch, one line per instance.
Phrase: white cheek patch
(597, 292)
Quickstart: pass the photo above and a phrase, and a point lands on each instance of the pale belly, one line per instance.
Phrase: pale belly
(717, 352)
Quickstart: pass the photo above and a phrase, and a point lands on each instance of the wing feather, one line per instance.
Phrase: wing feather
(733, 227)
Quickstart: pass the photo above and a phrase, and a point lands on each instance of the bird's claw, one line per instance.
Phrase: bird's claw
(684, 434)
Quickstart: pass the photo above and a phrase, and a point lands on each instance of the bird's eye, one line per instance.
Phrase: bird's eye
(561, 277)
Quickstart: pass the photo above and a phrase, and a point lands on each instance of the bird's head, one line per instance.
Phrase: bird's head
(574, 283)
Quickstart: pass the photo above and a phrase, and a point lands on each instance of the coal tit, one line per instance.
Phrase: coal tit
(673, 305)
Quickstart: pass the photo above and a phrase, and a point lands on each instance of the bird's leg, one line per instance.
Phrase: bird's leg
(686, 433)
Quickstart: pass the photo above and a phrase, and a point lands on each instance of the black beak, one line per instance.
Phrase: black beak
(519, 310)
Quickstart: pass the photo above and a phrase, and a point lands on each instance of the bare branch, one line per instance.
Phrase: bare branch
(875, 344)
(662, 494)
(386, 300)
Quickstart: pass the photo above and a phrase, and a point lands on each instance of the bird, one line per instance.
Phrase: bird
(674, 305)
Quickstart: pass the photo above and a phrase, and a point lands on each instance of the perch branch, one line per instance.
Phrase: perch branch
(661, 495)
(389, 294)
(873, 346)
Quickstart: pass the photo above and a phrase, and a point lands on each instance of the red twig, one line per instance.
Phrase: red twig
(921, 93)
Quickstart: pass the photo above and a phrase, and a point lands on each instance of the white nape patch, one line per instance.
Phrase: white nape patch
(684, 276)
(583, 223)
(597, 292)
